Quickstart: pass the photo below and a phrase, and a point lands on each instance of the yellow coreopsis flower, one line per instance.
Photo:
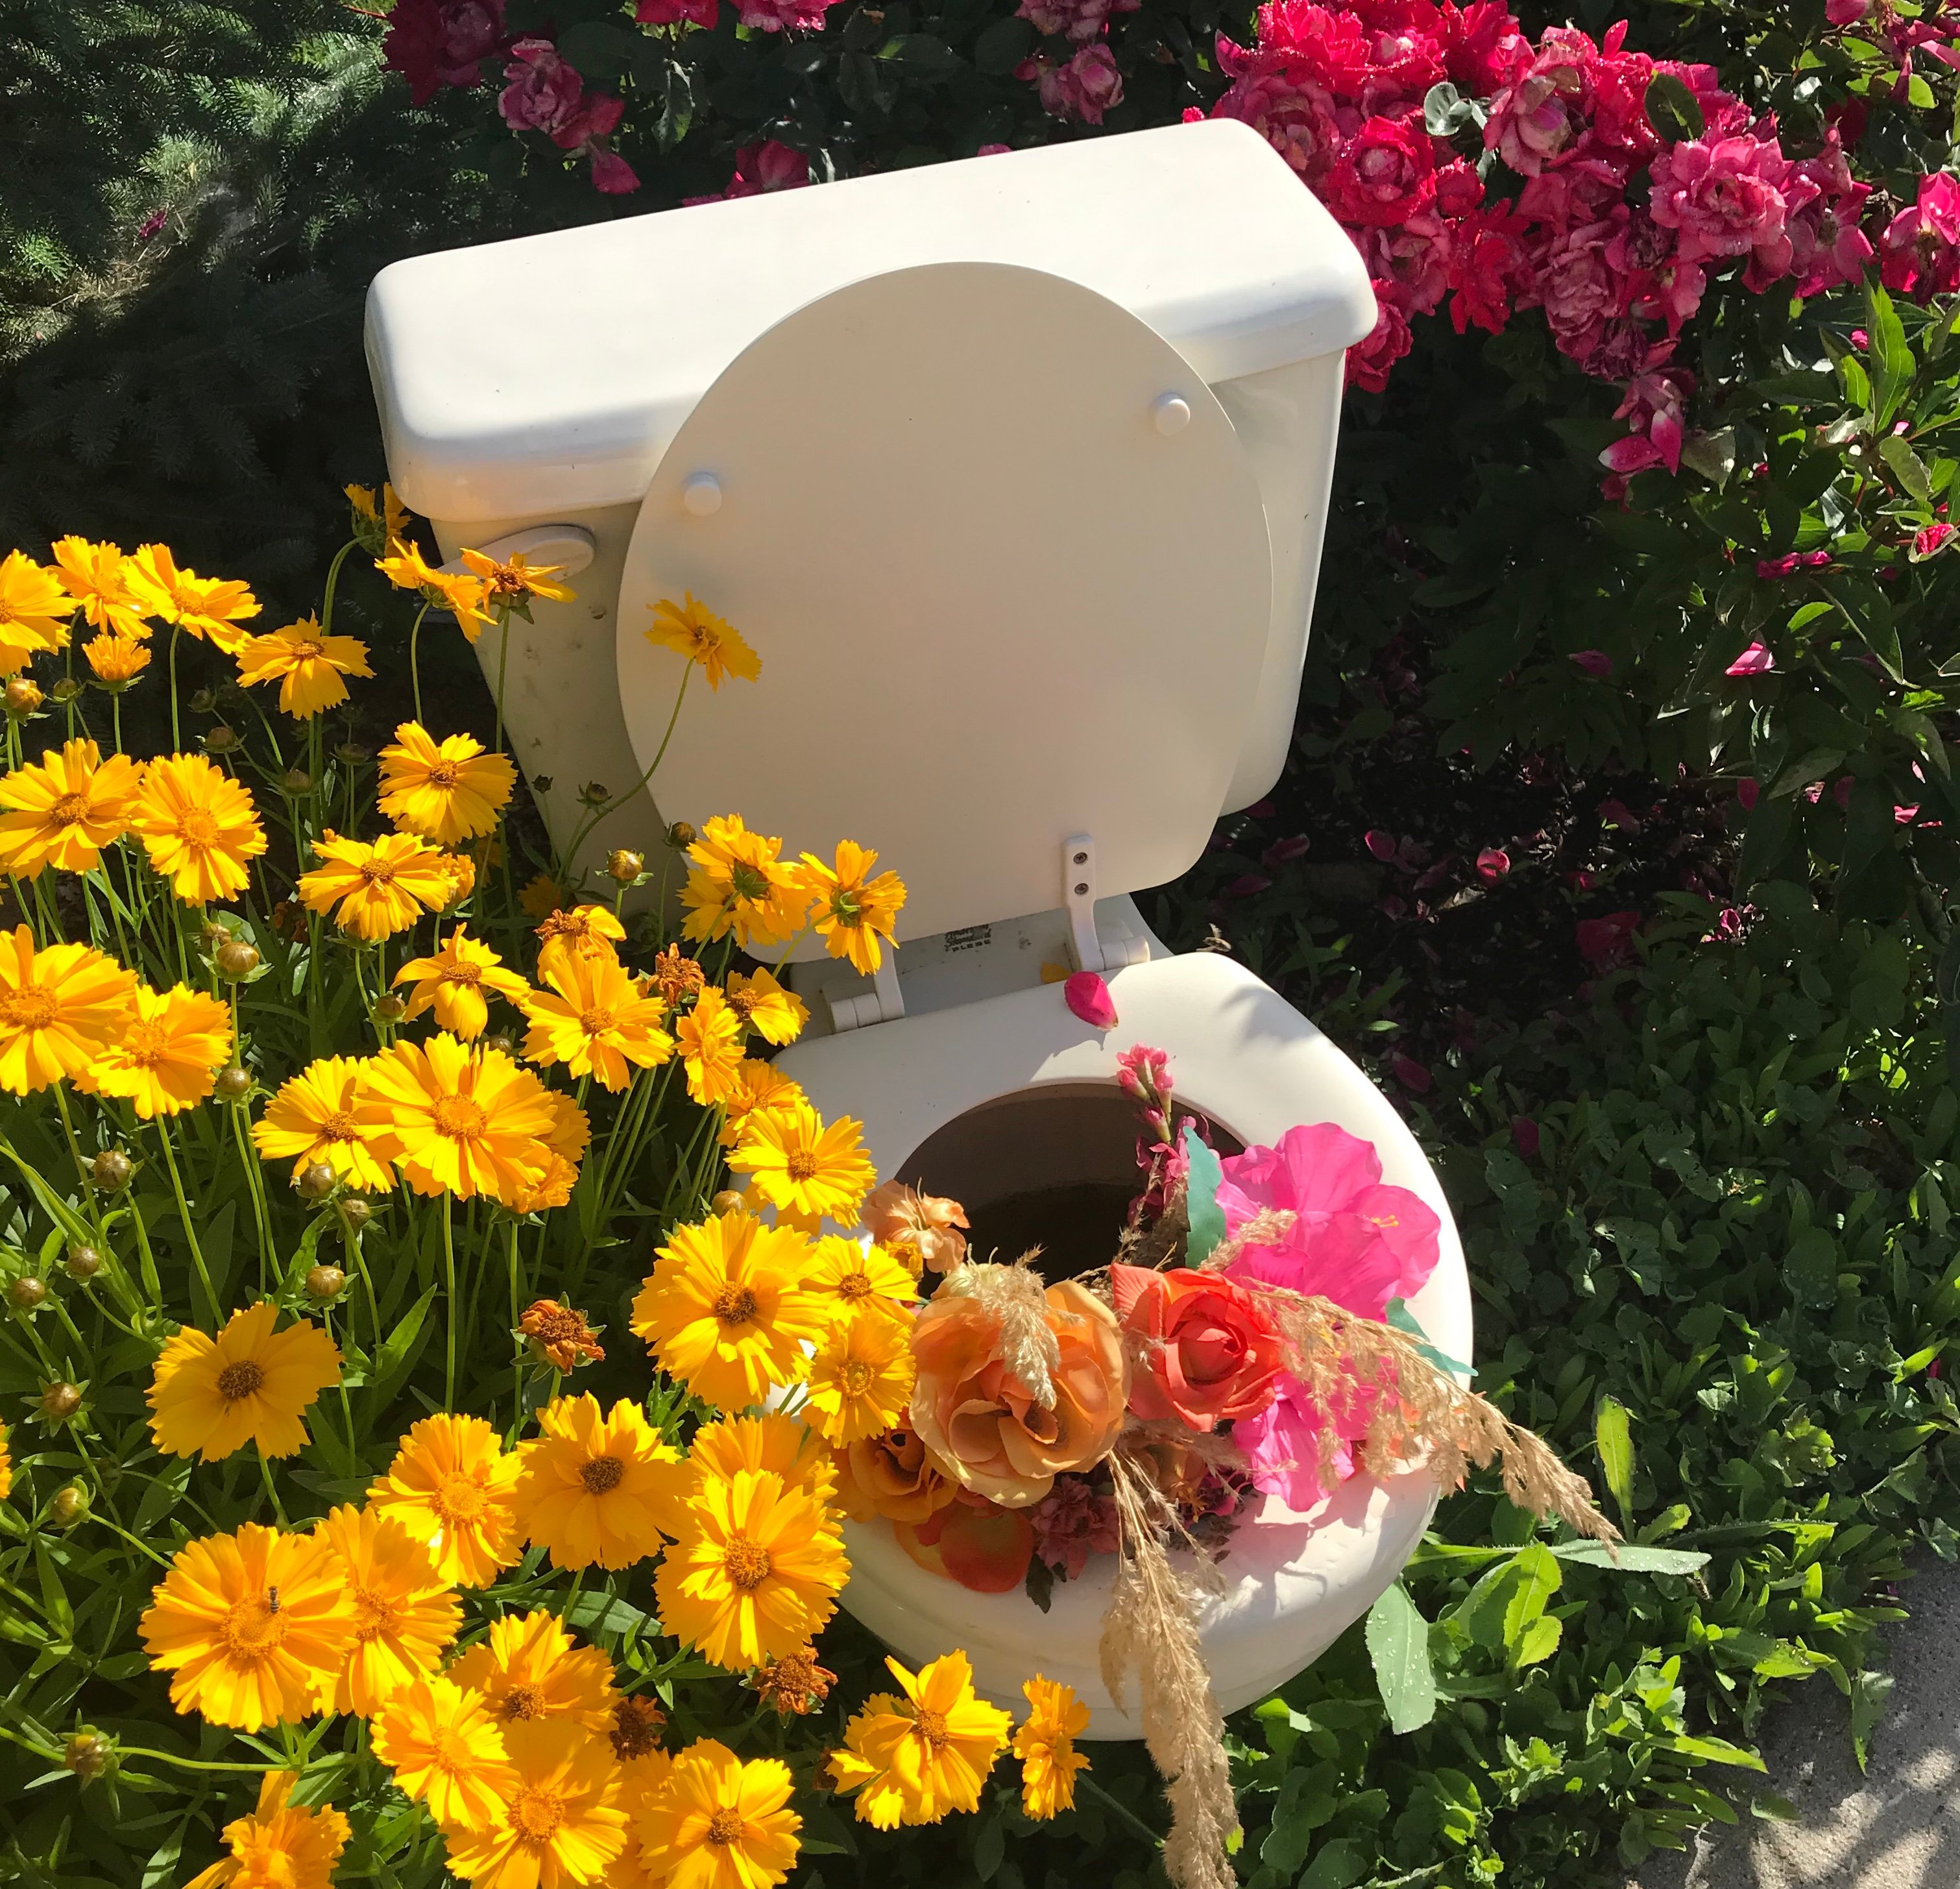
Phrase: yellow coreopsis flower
(381, 889)
(170, 1053)
(775, 1013)
(375, 525)
(34, 610)
(198, 826)
(450, 1486)
(513, 582)
(251, 1625)
(853, 1281)
(586, 929)
(562, 1826)
(1045, 1743)
(213, 607)
(6, 1465)
(596, 1486)
(62, 813)
(529, 1668)
(710, 1039)
(758, 1086)
(280, 1846)
(313, 1119)
(455, 1122)
(912, 1759)
(756, 1574)
(405, 1613)
(694, 630)
(800, 1166)
(60, 1009)
(851, 910)
(116, 661)
(406, 568)
(457, 982)
(714, 1822)
(209, 1397)
(97, 576)
(447, 791)
(861, 1378)
(307, 664)
(593, 1020)
(725, 1311)
(782, 1445)
(447, 1751)
(567, 1144)
(740, 882)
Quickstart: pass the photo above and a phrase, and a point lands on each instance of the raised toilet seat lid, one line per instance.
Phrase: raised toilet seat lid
(1246, 1057)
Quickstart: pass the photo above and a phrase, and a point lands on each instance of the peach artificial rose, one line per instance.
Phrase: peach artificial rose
(981, 1423)
(890, 1476)
(926, 1231)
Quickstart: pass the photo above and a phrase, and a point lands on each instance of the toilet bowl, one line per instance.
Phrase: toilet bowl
(1014, 472)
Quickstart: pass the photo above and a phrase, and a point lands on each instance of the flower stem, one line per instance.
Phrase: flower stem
(190, 1233)
(449, 1289)
(415, 660)
(618, 801)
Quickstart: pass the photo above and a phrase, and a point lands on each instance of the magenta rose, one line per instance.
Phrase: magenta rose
(1386, 174)
(543, 92)
(1726, 196)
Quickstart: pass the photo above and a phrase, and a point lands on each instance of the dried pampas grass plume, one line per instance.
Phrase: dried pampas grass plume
(1017, 1296)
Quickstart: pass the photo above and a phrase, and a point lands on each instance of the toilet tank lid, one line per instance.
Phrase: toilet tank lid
(549, 373)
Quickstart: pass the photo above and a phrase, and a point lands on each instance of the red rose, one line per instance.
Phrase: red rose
(1206, 1353)
(1386, 174)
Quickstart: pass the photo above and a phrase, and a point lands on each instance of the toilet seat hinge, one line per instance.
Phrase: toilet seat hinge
(1078, 900)
(883, 1003)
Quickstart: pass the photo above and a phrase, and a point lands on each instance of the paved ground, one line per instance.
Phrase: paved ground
(1897, 1826)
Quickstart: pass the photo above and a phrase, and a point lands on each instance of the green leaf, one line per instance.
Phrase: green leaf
(990, 1845)
(1716, 1751)
(1890, 356)
(1002, 47)
(1202, 1207)
(1613, 1432)
(1538, 1580)
(1631, 1557)
(1908, 468)
(1810, 1268)
(1339, 1865)
(1871, 1692)
(399, 1351)
(1398, 1639)
(1672, 109)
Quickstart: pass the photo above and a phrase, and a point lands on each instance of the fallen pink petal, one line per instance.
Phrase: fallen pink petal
(1088, 997)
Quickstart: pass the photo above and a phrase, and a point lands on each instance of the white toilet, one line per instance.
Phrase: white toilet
(1014, 472)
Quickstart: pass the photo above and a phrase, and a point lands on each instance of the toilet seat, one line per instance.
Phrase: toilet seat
(1245, 1058)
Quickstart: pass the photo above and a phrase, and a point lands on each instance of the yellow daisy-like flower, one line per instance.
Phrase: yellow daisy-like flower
(460, 870)
(587, 929)
(211, 607)
(541, 896)
(60, 1009)
(757, 1573)
(561, 1826)
(450, 1486)
(511, 584)
(851, 910)
(781, 1444)
(280, 1846)
(861, 1378)
(381, 888)
(724, 1310)
(34, 610)
(171, 1053)
(596, 1486)
(198, 826)
(250, 1624)
(447, 1751)
(375, 525)
(695, 632)
(714, 1822)
(758, 1086)
(775, 1013)
(116, 661)
(913, 1759)
(449, 790)
(97, 576)
(212, 1396)
(313, 1119)
(855, 1281)
(457, 981)
(406, 568)
(64, 812)
(800, 1166)
(404, 1614)
(456, 1122)
(306, 664)
(6, 1463)
(1045, 1743)
(710, 1039)
(529, 1668)
(594, 1019)
(739, 883)
(640, 1775)
(567, 1143)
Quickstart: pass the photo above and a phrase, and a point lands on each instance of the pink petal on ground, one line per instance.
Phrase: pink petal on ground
(1088, 997)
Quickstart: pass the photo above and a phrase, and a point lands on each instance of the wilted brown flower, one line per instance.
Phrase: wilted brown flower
(637, 1721)
(676, 976)
(560, 1336)
(794, 1684)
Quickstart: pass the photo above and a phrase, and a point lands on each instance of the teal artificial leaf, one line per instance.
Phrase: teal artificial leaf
(1201, 1209)
(1398, 1314)
(1398, 1639)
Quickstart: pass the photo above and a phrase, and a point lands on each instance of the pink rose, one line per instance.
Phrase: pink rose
(1535, 119)
(1846, 12)
(1919, 250)
(1595, 663)
(1295, 117)
(1088, 85)
(766, 166)
(1386, 175)
(1828, 246)
(1088, 998)
(612, 175)
(1415, 258)
(433, 43)
(1725, 195)
(774, 16)
(673, 12)
(1483, 46)
(1388, 341)
(1605, 942)
(543, 92)
(1080, 20)
(1489, 266)
(1925, 543)
(1492, 865)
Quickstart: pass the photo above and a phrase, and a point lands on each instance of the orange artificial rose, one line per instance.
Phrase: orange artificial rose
(890, 1476)
(981, 1423)
(1207, 1351)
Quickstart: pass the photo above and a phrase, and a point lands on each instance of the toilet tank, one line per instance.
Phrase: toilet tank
(537, 383)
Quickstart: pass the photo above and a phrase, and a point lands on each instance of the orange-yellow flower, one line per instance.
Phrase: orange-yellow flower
(775, 1013)
(457, 981)
(404, 1614)
(714, 1822)
(446, 1751)
(313, 1119)
(860, 1380)
(782, 1445)
(758, 1086)
(280, 1846)
(562, 1826)
(199, 826)
(851, 910)
(585, 929)
(210, 1397)
(169, 1055)
(207, 606)
(60, 1009)
(853, 1281)
(1045, 1743)
(62, 813)
(250, 1624)
(116, 661)
(381, 889)
(739, 883)
(406, 568)
(447, 791)
(455, 1122)
(529, 1668)
(912, 1759)
(710, 1039)
(450, 1486)
(512, 582)
(375, 525)
(34, 610)
(596, 1486)
(593, 1020)
(97, 576)
(306, 663)
(694, 631)
(800, 1166)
